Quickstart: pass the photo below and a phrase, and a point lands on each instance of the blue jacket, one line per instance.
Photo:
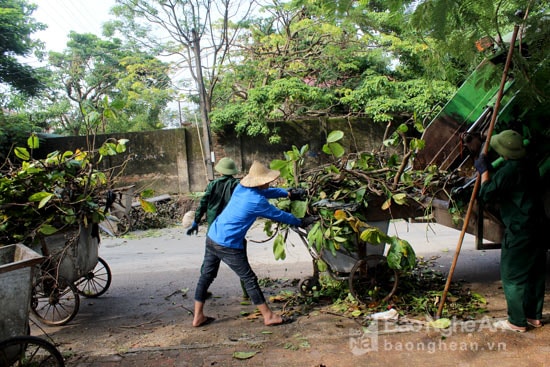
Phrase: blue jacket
(246, 205)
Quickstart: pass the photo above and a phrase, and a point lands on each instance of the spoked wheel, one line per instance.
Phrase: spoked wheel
(372, 281)
(54, 301)
(114, 226)
(29, 351)
(96, 282)
(123, 225)
(308, 285)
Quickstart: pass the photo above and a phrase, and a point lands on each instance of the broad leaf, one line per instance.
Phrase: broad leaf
(22, 153)
(298, 208)
(47, 229)
(400, 199)
(401, 255)
(279, 247)
(374, 236)
(33, 142)
(147, 206)
(244, 355)
(334, 136)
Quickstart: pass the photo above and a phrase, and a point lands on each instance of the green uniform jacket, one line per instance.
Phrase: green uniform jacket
(515, 189)
(215, 198)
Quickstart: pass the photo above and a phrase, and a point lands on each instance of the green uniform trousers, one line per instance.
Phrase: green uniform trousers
(523, 275)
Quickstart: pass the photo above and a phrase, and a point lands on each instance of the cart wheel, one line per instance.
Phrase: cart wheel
(29, 351)
(308, 285)
(114, 226)
(372, 281)
(54, 301)
(96, 282)
(123, 225)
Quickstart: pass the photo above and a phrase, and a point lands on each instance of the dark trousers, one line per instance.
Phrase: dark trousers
(237, 261)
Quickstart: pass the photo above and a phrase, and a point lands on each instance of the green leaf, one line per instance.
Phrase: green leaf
(44, 201)
(321, 265)
(22, 153)
(279, 247)
(441, 323)
(401, 255)
(298, 208)
(374, 236)
(147, 193)
(147, 206)
(244, 355)
(334, 136)
(337, 150)
(277, 164)
(340, 239)
(400, 198)
(37, 196)
(403, 128)
(33, 142)
(47, 229)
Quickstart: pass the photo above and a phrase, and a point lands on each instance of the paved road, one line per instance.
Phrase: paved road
(143, 320)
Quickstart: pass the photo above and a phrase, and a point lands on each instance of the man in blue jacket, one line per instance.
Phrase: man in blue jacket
(226, 236)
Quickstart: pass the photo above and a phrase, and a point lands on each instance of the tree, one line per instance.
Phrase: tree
(112, 87)
(16, 28)
(196, 34)
(385, 60)
(465, 32)
(311, 59)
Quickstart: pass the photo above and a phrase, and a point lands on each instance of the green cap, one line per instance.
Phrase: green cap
(509, 144)
(226, 166)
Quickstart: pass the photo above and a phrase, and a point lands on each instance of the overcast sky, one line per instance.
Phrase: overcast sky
(62, 16)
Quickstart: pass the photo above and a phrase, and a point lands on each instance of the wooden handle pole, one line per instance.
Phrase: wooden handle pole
(478, 178)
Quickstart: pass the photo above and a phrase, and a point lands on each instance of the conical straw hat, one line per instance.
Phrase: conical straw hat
(259, 175)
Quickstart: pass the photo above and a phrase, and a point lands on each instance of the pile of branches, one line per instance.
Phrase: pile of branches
(353, 190)
(376, 186)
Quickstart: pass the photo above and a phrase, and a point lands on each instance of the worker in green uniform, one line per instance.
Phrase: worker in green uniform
(516, 190)
(216, 196)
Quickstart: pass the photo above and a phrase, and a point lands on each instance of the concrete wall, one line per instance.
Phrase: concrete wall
(170, 161)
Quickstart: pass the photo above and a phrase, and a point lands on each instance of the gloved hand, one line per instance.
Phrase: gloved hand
(297, 194)
(194, 228)
(309, 220)
(482, 164)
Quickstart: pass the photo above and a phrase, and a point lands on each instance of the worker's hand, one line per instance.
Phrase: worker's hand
(482, 164)
(193, 229)
(309, 220)
(297, 194)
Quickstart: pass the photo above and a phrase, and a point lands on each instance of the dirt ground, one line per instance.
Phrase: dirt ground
(146, 316)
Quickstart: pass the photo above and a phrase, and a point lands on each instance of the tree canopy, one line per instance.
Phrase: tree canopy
(382, 60)
(16, 28)
(111, 86)
(250, 65)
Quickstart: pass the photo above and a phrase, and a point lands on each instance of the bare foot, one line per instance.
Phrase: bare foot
(202, 321)
(273, 320)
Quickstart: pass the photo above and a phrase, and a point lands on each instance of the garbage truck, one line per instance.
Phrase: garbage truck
(455, 137)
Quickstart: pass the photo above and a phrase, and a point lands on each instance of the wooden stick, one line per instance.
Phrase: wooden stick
(478, 178)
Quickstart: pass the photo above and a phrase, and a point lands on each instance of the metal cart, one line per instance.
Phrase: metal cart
(17, 347)
(72, 267)
(371, 280)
